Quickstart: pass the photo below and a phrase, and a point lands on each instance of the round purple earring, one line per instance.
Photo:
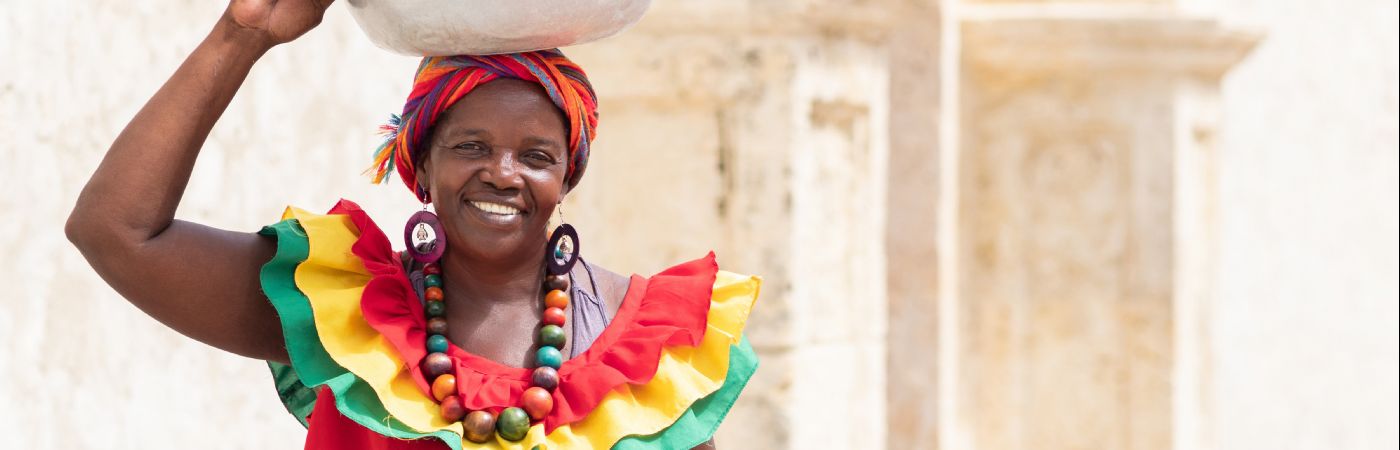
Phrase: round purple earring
(424, 237)
(563, 249)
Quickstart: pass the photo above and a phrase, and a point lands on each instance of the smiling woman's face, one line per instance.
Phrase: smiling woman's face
(495, 169)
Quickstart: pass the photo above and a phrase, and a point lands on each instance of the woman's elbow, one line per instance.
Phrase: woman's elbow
(78, 229)
(90, 234)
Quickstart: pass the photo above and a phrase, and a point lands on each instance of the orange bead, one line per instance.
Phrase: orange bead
(433, 294)
(444, 386)
(537, 401)
(556, 299)
(554, 316)
(452, 409)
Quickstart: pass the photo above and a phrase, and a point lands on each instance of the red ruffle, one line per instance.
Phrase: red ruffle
(669, 309)
(327, 429)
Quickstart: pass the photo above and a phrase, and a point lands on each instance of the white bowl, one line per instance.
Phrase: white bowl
(481, 27)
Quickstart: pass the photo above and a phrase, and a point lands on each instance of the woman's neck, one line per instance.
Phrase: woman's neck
(500, 282)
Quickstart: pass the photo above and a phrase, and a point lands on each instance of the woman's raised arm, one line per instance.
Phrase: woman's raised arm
(198, 280)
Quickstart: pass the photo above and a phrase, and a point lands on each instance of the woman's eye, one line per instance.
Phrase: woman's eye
(470, 147)
(540, 156)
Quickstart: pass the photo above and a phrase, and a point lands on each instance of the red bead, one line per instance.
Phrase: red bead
(556, 299)
(432, 269)
(452, 409)
(444, 386)
(554, 316)
(436, 365)
(437, 325)
(433, 294)
(537, 401)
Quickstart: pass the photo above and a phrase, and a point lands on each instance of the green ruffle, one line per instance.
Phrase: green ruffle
(698, 424)
(310, 362)
(312, 367)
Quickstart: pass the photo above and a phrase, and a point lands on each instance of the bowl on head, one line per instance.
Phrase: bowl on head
(481, 27)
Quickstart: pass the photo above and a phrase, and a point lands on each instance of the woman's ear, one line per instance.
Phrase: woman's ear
(424, 170)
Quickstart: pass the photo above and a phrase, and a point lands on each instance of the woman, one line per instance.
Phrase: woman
(458, 341)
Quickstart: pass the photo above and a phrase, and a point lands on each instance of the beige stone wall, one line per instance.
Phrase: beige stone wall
(1305, 337)
(763, 140)
(1133, 252)
(83, 368)
(982, 224)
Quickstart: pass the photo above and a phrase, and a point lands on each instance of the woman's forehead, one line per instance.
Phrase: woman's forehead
(505, 106)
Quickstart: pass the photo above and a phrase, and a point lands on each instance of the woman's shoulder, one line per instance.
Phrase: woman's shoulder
(610, 285)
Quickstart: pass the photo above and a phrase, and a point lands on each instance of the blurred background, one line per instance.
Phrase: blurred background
(1147, 224)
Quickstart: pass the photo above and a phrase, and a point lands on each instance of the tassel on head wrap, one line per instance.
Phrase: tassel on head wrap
(442, 80)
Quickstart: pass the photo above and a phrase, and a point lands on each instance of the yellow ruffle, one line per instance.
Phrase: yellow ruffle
(333, 279)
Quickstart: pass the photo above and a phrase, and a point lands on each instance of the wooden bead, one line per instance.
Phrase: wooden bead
(436, 365)
(513, 424)
(552, 335)
(545, 377)
(556, 299)
(479, 426)
(549, 356)
(444, 386)
(437, 343)
(432, 269)
(557, 282)
(433, 294)
(437, 325)
(452, 409)
(537, 402)
(554, 316)
(435, 309)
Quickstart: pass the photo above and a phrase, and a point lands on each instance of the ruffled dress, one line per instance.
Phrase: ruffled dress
(663, 374)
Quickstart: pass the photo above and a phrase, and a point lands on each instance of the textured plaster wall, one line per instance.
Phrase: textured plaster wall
(1305, 330)
(760, 130)
(761, 139)
(82, 367)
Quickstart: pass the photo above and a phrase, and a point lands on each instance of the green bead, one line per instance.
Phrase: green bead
(549, 356)
(432, 281)
(437, 344)
(552, 335)
(435, 309)
(512, 424)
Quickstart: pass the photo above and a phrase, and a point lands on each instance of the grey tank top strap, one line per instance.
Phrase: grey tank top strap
(590, 313)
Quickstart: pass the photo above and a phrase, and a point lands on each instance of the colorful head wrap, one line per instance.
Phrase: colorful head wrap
(442, 80)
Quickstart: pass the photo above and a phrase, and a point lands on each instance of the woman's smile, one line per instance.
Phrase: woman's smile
(496, 214)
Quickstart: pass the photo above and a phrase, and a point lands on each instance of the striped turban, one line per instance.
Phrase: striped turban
(442, 80)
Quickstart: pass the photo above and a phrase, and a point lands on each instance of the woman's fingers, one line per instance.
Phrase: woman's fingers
(279, 20)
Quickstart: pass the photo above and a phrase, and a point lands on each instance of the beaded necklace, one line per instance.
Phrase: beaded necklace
(513, 422)
(422, 234)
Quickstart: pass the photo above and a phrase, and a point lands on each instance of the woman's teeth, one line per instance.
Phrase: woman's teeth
(496, 208)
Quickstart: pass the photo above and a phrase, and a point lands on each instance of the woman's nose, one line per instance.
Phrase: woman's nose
(501, 172)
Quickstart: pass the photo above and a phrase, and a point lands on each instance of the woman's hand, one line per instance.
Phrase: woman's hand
(276, 21)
